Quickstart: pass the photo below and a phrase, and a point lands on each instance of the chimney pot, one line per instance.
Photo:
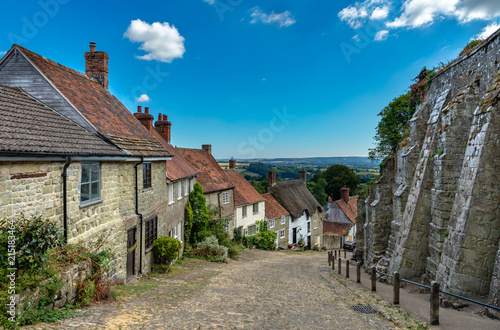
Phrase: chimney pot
(96, 66)
(146, 110)
(344, 193)
(165, 117)
(159, 116)
(139, 109)
(207, 148)
(92, 46)
(232, 163)
(163, 127)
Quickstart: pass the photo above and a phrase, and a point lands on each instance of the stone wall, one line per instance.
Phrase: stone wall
(442, 197)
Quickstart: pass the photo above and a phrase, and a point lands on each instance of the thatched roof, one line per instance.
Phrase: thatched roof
(294, 196)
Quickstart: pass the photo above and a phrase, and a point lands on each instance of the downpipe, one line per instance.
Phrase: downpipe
(137, 212)
(64, 175)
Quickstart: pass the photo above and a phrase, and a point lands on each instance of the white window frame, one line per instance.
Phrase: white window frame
(271, 223)
(282, 233)
(170, 193)
(191, 185)
(283, 220)
(244, 212)
(255, 208)
(225, 197)
(90, 182)
(179, 232)
(186, 187)
(179, 189)
(315, 224)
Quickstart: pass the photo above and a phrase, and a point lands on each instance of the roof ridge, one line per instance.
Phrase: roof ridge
(59, 65)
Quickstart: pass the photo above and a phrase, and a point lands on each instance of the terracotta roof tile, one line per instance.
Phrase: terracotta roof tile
(244, 192)
(98, 106)
(177, 167)
(29, 126)
(350, 209)
(336, 228)
(210, 175)
(273, 208)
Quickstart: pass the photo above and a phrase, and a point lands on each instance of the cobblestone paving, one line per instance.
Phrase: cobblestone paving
(263, 290)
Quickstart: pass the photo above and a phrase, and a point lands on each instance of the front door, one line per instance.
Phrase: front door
(294, 235)
(131, 245)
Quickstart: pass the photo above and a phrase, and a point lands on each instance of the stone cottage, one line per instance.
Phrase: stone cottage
(305, 223)
(249, 206)
(339, 220)
(218, 189)
(278, 220)
(113, 186)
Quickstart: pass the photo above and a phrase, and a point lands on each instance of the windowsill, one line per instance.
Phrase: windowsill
(179, 198)
(255, 213)
(170, 202)
(148, 249)
(147, 189)
(90, 203)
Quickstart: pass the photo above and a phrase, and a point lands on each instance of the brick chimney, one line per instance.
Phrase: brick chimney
(232, 163)
(344, 194)
(271, 177)
(330, 199)
(163, 126)
(207, 148)
(96, 65)
(145, 118)
(303, 175)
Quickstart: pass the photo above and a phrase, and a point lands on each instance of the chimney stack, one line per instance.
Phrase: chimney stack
(145, 118)
(344, 194)
(232, 163)
(96, 65)
(163, 127)
(207, 148)
(330, 199)
(303, 175)
(271, 178)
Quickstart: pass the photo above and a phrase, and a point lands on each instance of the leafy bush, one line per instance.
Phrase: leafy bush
(232, 252)
(211, 250)
(200, 210)
(264, 240)
(165, 250)
(468, 49)
(188, 221)
(34, 237)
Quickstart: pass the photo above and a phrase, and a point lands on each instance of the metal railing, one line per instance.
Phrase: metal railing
(434, 287)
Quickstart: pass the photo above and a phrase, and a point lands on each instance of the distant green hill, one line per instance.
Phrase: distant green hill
(357, 162)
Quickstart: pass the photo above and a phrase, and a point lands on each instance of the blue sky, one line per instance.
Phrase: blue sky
(256, 78)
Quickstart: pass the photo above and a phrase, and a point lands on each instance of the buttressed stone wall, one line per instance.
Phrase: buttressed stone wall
(435, 211)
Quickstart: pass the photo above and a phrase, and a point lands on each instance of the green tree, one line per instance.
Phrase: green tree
(200, 214)
(188, 221)
(392, 127)
(336, 177)
(317, 188)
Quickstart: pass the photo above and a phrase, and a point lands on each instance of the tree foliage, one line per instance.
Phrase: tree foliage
(200, 210)
(336, 176)
(317, 186)
(188, 221)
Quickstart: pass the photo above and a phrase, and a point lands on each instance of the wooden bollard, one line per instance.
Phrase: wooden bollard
(333, 263)
(345, 254)
(358, 272)
(434, 303)
(340, 265)
(347, 268)
(374, 278)
(395, 298)
(329, 258)
(335, 254)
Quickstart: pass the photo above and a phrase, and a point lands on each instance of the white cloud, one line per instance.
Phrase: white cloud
(283, 19)
(357, 14)
(2, 53)
(381, 35)
(210, 2)
(380, 13)
(143, 98)
(418, 13)
(488, 31)
(160, 41)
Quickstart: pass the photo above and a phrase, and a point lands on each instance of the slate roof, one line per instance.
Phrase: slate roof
(210, 174)
(336, 214)
(294, 196)
(273, 208)
(30, 126)
(244, 192)
(98, 106)
(177, 167)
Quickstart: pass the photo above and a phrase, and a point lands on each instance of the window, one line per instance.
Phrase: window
(170, 193)
(315, 224)
(179, 232)
(317, 240)
(179, 189)
(90, 183)
(271, 223)
(308, 227)
(186, 189)
(225, 197)
(255, 208)
(151, 233)
(146, 175)
(244, 211)
(282, 219)
(282, 233)
(191, 185)
(252, 229)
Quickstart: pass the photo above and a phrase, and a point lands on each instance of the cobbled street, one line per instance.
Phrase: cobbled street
(262, 290)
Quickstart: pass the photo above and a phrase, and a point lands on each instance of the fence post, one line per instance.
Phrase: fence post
(395, 298)
(340, 265)
(374, 278)
(329, 258)
(333, 263)
(345, 253)
(434, 303)
(347, 268)
(335, 254)
(358, 272)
